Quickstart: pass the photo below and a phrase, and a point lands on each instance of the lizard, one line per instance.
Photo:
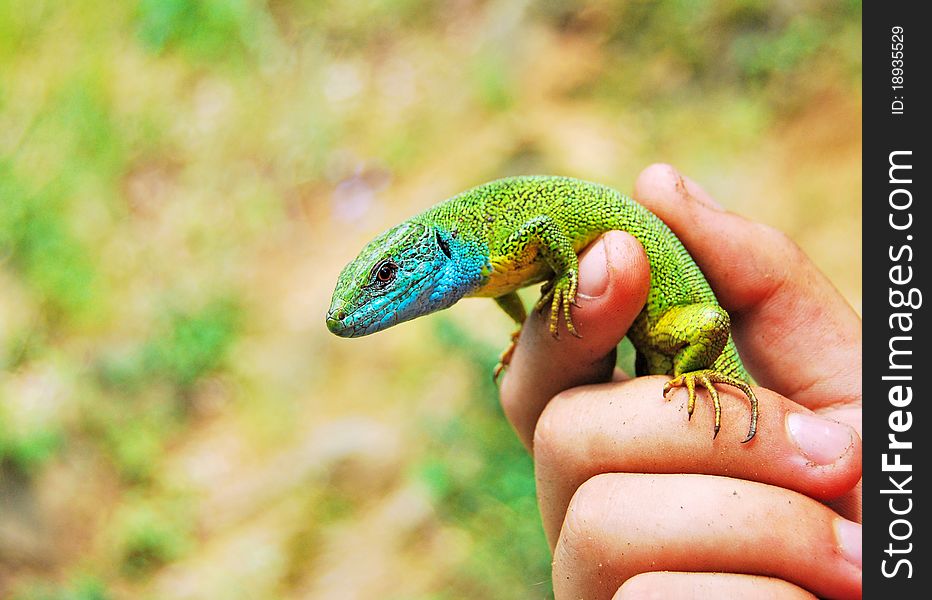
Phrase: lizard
(496, 238)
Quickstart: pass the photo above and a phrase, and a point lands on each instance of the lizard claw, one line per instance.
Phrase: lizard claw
(560, 295)
(707, 378)
(504, 358)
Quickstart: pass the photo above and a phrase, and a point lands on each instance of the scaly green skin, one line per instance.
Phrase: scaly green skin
(501, 236)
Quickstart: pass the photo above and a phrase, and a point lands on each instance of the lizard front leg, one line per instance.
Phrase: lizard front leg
(543, 238)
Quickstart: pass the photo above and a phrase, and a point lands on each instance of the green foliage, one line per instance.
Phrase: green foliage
(28, 451)
(351, 24)
(136, 443)
(187, 347)
(205, 29)
(626, 356)
(324, 510)
(20, 24)
(81, 119)
(483, 481)
(714, 46)
(193, 344)
(492, 79)
(21, 347)
(149, 536)
(763, 56)
(150, 384)
(81, 588)
(36, 236)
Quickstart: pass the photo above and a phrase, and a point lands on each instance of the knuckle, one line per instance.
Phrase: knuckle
(643, 586)
(513, 398)
(779, 241)
(595, 503)
(554, 439)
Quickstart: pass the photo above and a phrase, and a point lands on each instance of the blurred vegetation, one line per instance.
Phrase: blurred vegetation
(181, 181)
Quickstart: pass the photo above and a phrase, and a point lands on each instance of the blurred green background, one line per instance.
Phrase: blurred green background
(182, 180)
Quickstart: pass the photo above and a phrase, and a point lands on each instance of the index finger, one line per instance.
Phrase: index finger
(795, 332)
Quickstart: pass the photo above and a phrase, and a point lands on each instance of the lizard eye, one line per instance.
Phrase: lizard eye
(386, 273)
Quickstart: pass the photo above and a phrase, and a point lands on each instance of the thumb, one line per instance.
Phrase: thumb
(614, 278)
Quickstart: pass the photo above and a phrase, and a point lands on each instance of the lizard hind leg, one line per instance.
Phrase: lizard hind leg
(514, 308)
(504, 359)
(697, 336)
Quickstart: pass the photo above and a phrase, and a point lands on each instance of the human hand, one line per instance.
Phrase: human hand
(633, 493)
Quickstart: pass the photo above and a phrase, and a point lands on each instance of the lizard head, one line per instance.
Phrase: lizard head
(408, 271)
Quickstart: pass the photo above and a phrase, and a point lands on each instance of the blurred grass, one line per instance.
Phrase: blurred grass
(483, 480)
(181, 181)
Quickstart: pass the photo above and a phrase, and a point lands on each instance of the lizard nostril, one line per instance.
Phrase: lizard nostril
(335, 321)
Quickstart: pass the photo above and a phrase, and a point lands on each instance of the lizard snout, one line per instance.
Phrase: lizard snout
(335, 317)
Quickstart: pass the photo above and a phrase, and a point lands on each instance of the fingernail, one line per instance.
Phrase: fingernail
(820, 440)
(593, 270)
(848, 534)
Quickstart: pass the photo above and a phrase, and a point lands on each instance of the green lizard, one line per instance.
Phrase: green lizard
(498, 237)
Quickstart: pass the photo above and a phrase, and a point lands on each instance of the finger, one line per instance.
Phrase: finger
(620, 525)
(613, 281)
(628, 427)
(796, 333)
(663, 585)
(849, 505)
